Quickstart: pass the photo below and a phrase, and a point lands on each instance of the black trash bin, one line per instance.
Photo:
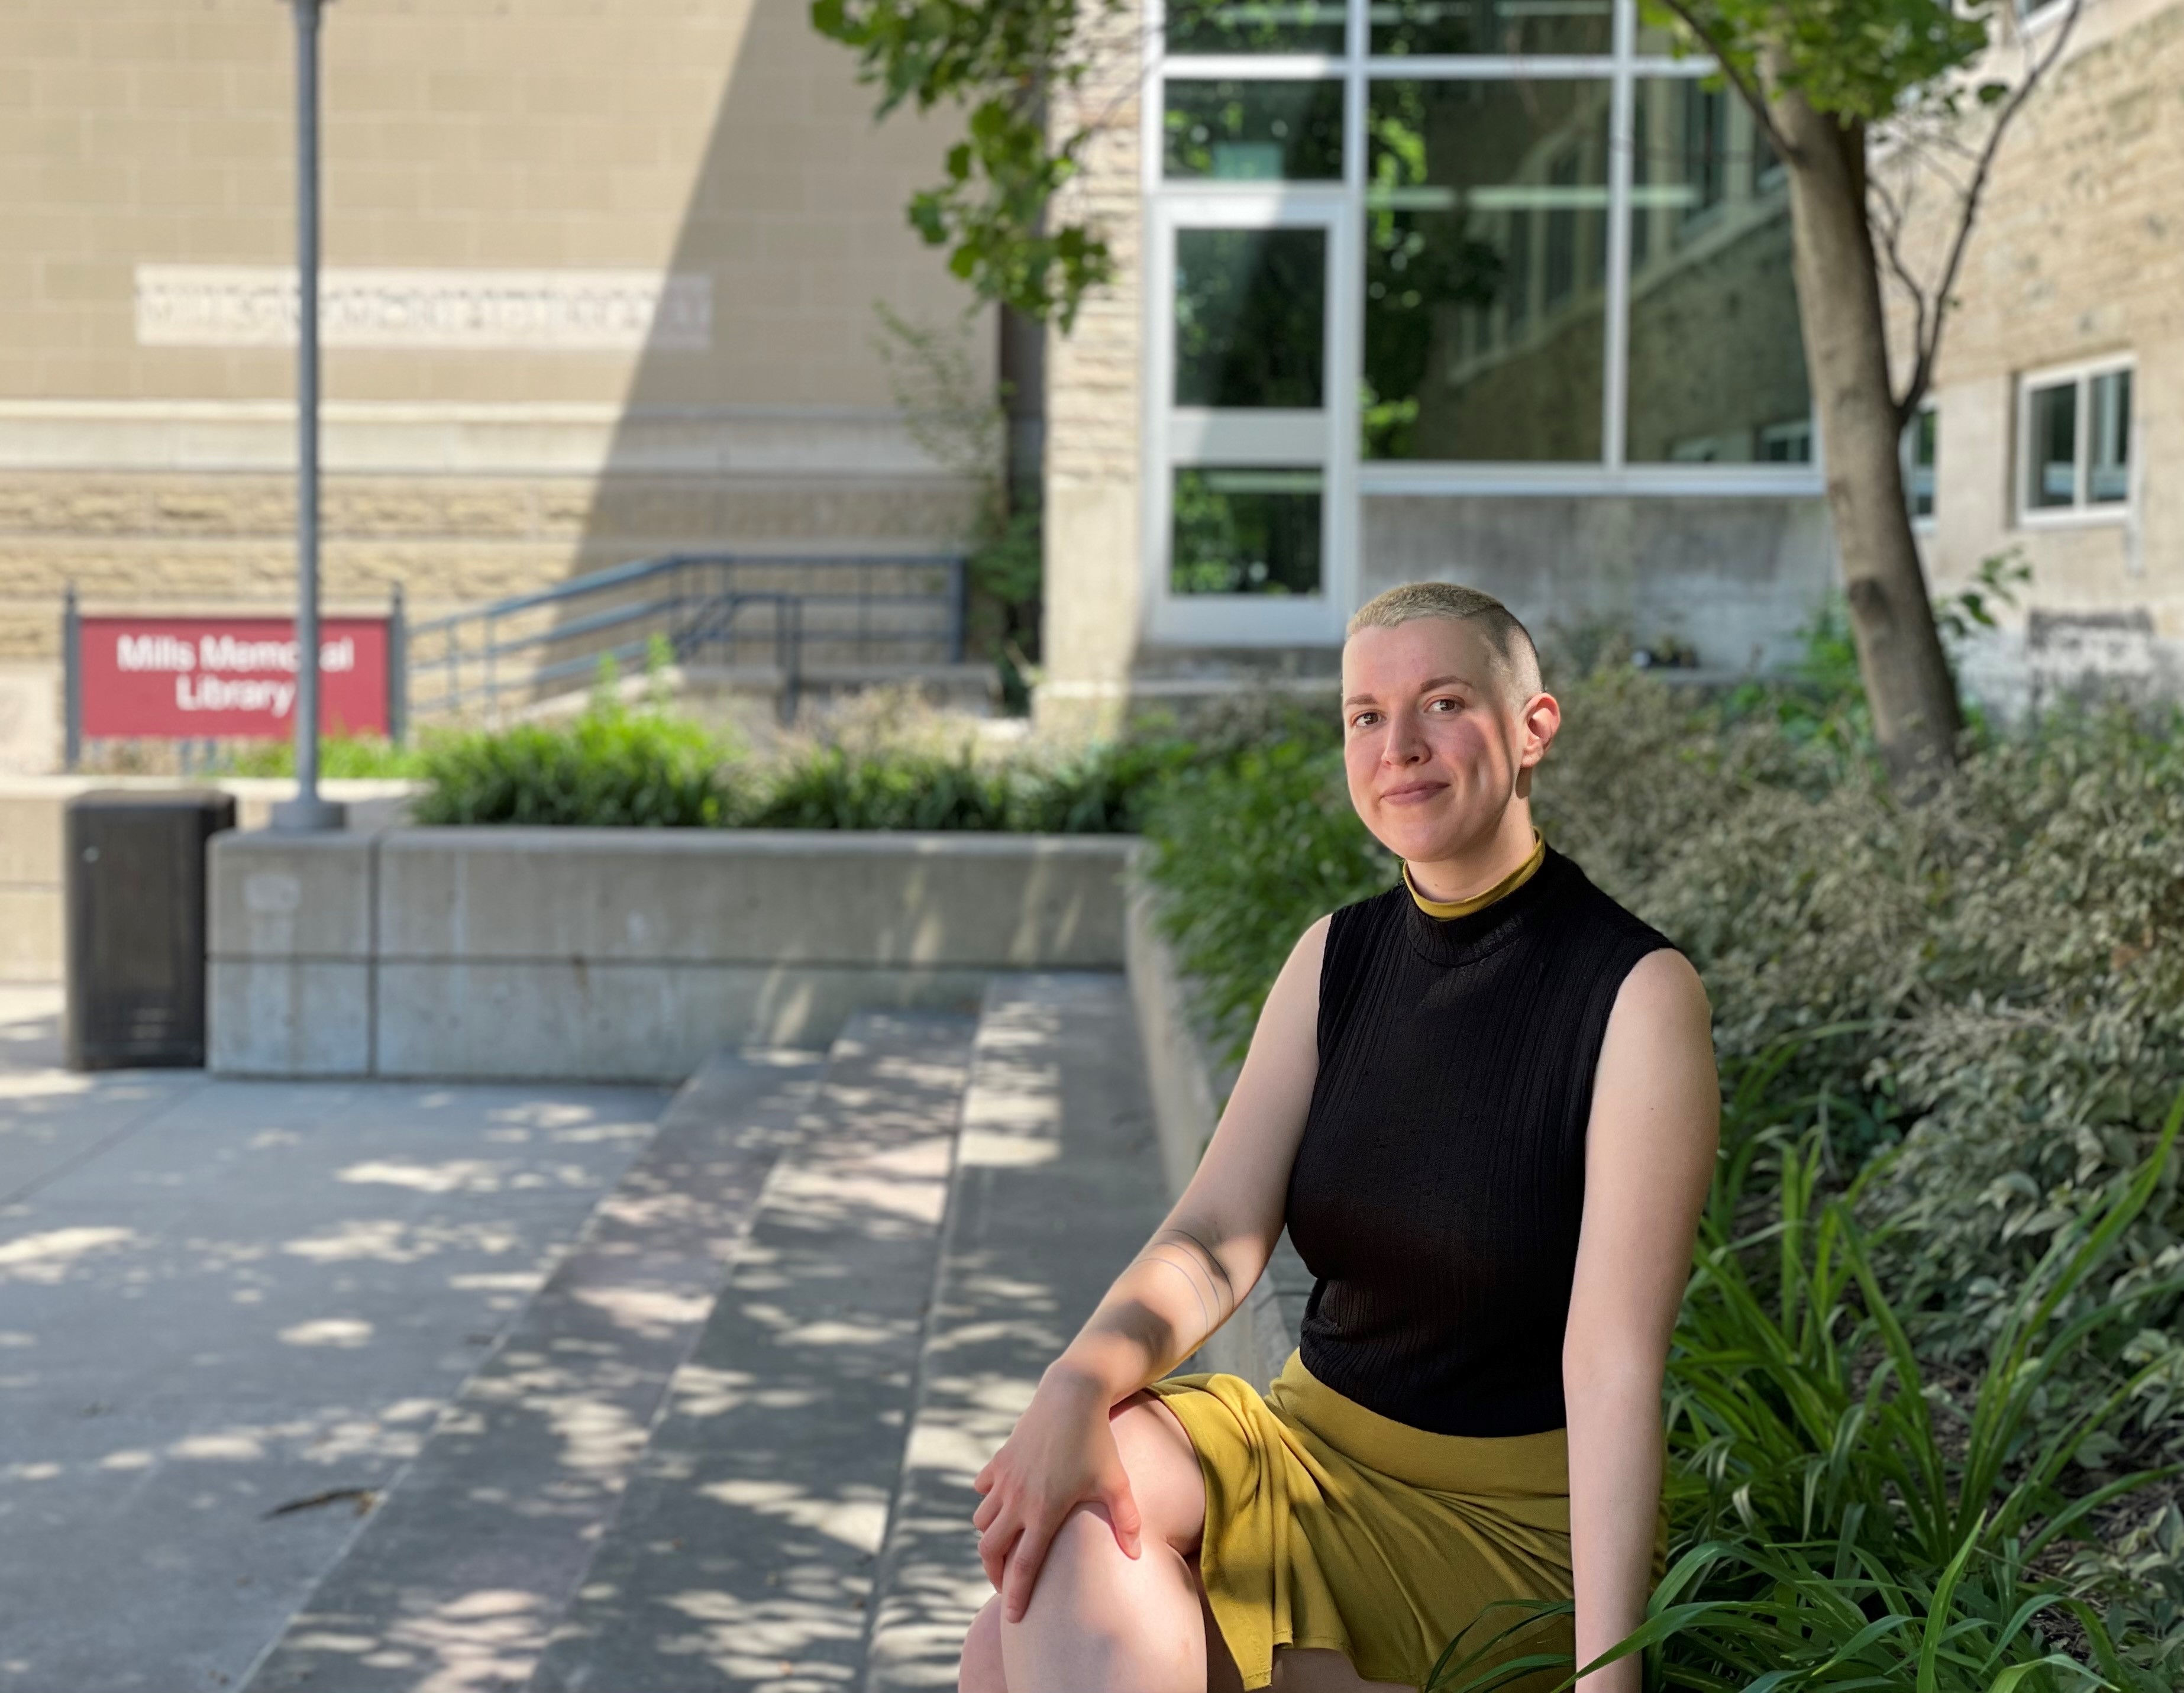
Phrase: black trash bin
(137, 927)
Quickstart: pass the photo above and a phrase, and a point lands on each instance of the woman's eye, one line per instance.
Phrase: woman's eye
(1440, 705)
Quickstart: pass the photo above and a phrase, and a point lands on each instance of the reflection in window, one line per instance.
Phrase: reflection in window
(1255, 131)
(1921, 443)
(1485, 212)
(2054, 447)
(1520, 28)
(1245, 531)
(1251, 317)
(1255, 26)
(1717, 371)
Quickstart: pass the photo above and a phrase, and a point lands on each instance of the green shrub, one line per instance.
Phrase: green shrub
(1099, 789)
(607, 768)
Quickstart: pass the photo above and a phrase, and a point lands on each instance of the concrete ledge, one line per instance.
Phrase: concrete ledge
(816, 896)
(622, 954)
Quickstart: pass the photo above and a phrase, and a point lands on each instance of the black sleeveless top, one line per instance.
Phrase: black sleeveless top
(1438, 1190)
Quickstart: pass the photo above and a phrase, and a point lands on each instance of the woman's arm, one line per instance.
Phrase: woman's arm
(1190, 1278)
(1649, 1159)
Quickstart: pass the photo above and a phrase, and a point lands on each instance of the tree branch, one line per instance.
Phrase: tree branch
(1750, 93)
(1889, 228)
(1928, 342)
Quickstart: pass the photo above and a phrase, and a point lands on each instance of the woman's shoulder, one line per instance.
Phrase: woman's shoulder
(1363, 923)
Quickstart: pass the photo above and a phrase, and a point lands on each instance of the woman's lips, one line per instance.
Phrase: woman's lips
(1414, 793)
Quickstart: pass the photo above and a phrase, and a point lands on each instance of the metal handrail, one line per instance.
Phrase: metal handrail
(699, 604)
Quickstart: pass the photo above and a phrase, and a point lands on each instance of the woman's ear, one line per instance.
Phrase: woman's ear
(1539, 721)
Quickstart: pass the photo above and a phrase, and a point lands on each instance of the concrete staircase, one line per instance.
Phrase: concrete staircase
(730, 1443)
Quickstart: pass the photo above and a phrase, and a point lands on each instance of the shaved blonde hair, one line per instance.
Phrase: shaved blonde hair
(1506, 638)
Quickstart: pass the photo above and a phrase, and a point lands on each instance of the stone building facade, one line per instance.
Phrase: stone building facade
(2071, 313)
(1539, 279)
(601, 285)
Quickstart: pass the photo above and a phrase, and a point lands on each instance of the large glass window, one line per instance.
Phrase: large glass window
(1506, 246)
(1486, 236)
(2074, 430)
(1717, 364)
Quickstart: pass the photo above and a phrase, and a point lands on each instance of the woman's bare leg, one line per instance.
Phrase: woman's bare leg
(1100, 1622)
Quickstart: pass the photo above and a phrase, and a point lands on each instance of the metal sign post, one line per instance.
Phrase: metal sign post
(307, 811)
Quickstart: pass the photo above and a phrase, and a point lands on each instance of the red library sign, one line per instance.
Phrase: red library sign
(226, 678)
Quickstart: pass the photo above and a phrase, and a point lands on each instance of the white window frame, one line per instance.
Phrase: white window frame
(1350, 478)
(2082, 512)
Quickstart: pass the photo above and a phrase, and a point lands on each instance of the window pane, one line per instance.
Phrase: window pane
(1717, 361)
(1486, 235)
(2052, 453)
(1246, 531)
(1527, 28)
(1255, 26)
(1251, 317)
(1921, 441)
(1255, 131)
(2110, 472)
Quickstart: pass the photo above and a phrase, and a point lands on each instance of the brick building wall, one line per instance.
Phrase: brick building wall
(2078, 255)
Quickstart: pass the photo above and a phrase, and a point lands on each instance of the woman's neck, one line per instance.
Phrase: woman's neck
(1472, 879)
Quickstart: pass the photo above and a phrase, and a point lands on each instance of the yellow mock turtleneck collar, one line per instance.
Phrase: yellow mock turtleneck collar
(1479, 902)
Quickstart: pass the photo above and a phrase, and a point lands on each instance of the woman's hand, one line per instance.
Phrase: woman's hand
(1062, 1455)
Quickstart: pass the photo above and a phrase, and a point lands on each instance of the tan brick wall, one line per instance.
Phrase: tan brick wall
(2079, 254)
(1095, 404)
(719, 135)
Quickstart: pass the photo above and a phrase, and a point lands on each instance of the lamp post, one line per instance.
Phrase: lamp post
(307, 811)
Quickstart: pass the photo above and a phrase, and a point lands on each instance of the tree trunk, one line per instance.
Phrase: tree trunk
(1916, 718)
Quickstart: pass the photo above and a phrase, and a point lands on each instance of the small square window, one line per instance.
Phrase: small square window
(2076, 430)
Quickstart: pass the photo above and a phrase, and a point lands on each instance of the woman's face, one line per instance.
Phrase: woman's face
(1435, 743)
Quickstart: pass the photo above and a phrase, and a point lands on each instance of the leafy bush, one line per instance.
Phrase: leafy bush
(609, 767)
(1096, 790)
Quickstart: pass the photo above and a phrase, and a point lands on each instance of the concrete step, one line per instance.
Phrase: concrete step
(1057, 1183)
(454, 1580)
(744, 1553)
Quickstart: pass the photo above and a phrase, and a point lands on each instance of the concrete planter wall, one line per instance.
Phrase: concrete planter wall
(621, 954)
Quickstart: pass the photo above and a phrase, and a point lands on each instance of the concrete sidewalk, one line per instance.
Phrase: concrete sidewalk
(218, 1299)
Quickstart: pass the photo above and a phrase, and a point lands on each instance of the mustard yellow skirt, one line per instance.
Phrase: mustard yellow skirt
(1328, 1525)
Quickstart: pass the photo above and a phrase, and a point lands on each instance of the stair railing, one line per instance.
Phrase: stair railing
(472, 664)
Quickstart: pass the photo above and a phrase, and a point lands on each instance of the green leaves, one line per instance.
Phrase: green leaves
(997, 61)
(1859, 60)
